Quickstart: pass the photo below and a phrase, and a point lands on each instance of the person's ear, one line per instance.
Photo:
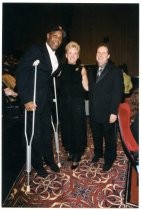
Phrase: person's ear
(47, 35)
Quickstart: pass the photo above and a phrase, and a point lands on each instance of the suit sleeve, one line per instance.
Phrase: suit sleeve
(25, 75)
(117, 91)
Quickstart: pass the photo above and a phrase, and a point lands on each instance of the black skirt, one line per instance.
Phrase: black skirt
(72, 118)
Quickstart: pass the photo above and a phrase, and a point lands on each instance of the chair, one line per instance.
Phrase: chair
(131, 149)
(129, 144)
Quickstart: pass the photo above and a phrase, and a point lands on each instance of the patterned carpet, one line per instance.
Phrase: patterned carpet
(85, 187)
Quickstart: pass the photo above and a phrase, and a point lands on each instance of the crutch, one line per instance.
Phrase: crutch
(55, 127)
(29, 141)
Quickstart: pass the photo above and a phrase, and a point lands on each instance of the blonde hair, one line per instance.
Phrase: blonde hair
(72, 44)
(9, 80)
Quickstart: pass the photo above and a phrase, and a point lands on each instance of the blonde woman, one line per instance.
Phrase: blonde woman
(72, 105)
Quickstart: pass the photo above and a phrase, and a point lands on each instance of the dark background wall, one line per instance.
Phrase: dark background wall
(86, 23)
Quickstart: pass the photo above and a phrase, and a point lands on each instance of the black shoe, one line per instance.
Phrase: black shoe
(107, 167)
(76, 158)
(70, 157)
(42, 172)
(74, 165)
(54, 167)
(96, 159)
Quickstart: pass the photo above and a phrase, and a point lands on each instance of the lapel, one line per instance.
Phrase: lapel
(103, 74)
(46, 57)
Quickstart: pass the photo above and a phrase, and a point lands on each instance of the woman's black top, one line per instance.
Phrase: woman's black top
(70, 82)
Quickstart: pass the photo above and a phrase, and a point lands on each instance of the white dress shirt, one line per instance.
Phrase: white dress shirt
(53, 58)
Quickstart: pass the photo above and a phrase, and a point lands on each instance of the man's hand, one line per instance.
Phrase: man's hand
(113, 118)
(30, 106)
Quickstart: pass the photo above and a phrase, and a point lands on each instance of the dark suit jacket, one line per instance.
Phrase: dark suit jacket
(25, 76)
(106, 93)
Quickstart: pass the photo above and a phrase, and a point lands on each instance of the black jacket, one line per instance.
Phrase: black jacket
(106, 93)
(25, 76)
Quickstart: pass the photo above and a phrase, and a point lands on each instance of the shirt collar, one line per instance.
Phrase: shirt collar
(49, 49)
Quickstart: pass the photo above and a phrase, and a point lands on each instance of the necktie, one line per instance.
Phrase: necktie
(99, 72)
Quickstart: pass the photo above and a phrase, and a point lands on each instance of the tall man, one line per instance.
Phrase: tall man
(42, 149)
(105, 94)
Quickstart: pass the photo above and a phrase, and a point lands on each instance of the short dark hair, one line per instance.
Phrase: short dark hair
(102, 44)
(53, 27)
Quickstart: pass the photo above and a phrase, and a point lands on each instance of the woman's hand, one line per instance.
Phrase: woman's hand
(84, 79)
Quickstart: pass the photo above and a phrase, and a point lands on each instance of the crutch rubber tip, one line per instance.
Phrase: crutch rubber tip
(28, 189)
(59, 165)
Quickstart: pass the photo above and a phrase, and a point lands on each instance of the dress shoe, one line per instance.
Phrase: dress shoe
(106, 167)
(42, 172)
(76, 158)
(70, 157)
(74, 165)
(96, 159)
(54, 167)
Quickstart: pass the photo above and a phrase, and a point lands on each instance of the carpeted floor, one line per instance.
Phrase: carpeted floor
(85, 187)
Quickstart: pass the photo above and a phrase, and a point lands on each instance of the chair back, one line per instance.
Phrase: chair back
(127, 138)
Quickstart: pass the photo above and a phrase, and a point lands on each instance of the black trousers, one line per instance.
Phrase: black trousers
(105, 140)
(42, 147)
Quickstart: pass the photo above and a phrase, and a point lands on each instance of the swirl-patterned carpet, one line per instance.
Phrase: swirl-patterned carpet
(85, 187)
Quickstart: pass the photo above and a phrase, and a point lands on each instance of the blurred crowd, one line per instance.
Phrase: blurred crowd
(10, 100)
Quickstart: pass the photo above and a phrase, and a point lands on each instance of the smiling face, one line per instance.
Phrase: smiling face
(72, 54)
(102, 55)
(54, 39)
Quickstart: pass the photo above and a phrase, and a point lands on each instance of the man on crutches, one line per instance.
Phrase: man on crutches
(42, 148)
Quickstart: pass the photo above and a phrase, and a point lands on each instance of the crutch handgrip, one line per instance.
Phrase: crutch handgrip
(36, 63)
